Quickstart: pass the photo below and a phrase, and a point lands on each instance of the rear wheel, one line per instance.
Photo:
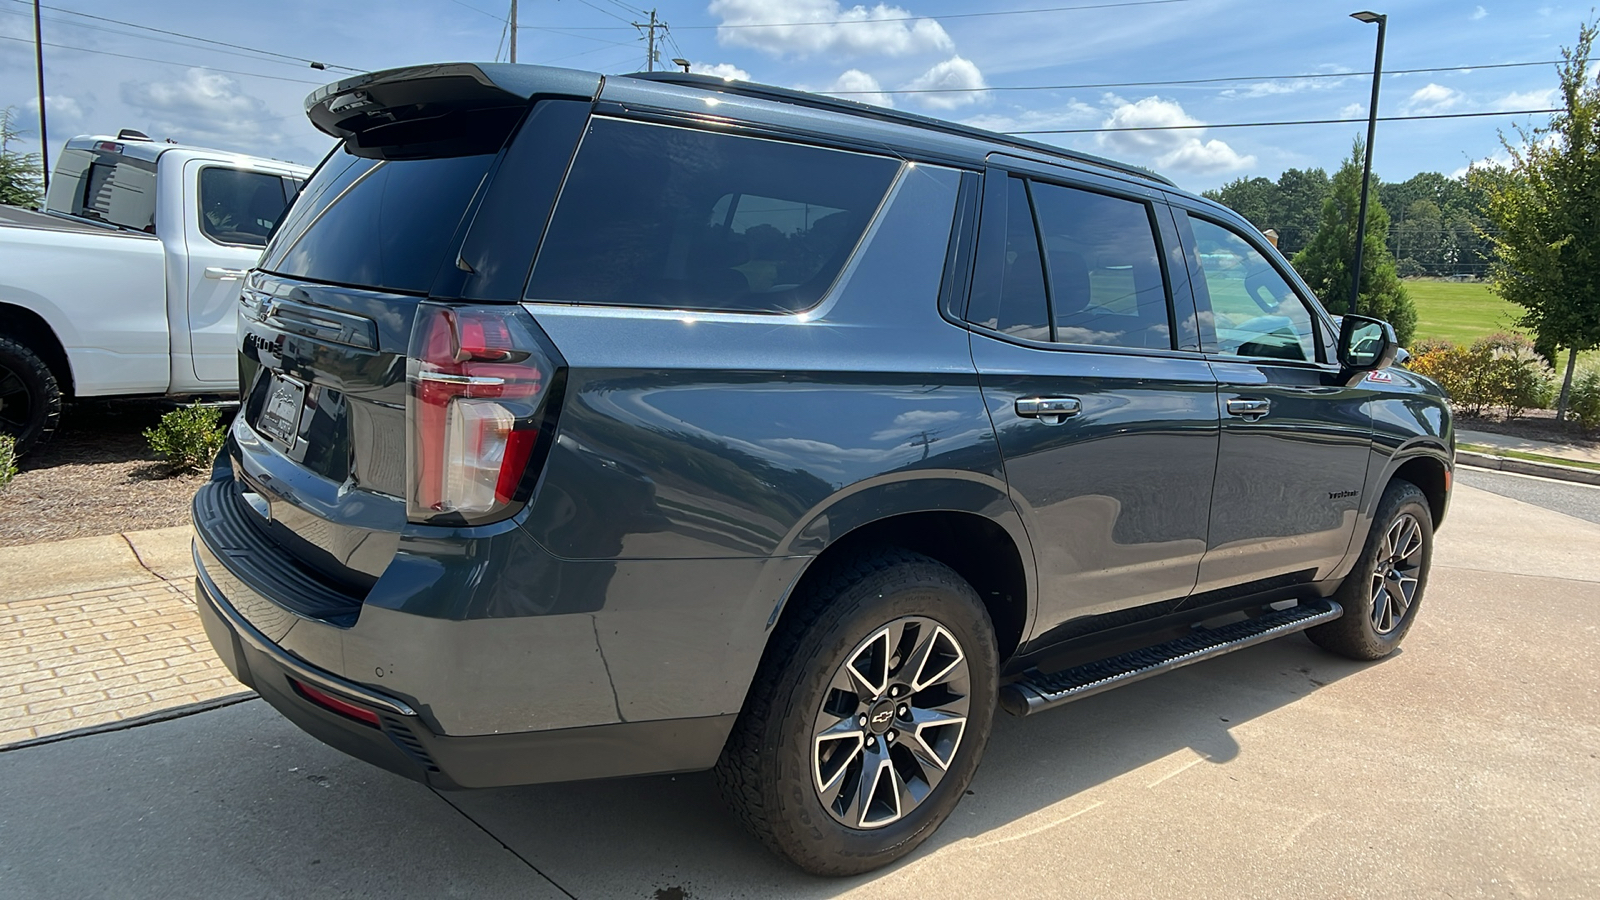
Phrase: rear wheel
(1381, 594)
(30, 398)
(868, 716)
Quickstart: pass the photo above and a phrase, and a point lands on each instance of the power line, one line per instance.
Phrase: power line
(1183, 81)
(1468, 115)
(309, 62)
(167, 62)
(974, 15)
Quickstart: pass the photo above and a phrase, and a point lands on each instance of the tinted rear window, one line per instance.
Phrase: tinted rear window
(239, 207)
(670, 217)
(107, 187)
(376, 223)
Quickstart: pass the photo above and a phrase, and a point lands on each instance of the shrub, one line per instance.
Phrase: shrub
(1583, 400)
(1501, 370)
(1428, 345)
(8, 459)
(188, 437)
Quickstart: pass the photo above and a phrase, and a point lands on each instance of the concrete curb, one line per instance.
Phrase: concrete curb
(160, 715)
(1525, 467)
(54, 568)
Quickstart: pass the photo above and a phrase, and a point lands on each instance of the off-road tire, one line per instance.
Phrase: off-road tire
(765, 772)
(22, 369)
(1354, 634)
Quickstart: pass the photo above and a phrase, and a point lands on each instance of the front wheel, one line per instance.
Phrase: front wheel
(1381, 594)
(868, 716)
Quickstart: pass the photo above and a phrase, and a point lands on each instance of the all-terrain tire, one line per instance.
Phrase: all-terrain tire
(30, 397)
(765, 773)
(1364, 632)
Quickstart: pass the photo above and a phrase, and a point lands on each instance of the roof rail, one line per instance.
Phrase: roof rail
(864, 110)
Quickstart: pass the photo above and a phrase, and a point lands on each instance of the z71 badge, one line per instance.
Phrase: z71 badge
(1380, 375)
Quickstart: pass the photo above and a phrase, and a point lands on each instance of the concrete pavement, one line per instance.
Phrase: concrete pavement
(1464, 766)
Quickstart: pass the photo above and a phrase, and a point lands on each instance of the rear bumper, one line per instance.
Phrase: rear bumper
(402, 742)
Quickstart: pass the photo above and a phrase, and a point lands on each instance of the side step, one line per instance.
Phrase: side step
(1036, 691)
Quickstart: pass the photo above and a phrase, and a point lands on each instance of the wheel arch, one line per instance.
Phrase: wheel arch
(1427, 468)
(32, 331)
(990, 553)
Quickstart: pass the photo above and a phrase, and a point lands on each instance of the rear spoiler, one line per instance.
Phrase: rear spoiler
(445, 109)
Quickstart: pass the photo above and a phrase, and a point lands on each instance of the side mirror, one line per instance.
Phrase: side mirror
(1366, 345)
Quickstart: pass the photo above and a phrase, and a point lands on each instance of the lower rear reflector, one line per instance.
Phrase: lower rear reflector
(334, 704)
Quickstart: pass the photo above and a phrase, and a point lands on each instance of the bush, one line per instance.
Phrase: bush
(188, 438)
(1501, 370)
(1428, 345)
(1583, 400)
(8, 459)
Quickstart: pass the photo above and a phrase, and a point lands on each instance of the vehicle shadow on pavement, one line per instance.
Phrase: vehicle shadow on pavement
(628, 837)
(237, 802)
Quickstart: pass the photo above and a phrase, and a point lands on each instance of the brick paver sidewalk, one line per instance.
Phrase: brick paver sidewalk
(91, 657)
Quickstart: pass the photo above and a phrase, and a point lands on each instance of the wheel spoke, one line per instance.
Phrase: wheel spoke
(869, 668)
(931, 739)
(876, 768)
(939, 656)
(1410, 540)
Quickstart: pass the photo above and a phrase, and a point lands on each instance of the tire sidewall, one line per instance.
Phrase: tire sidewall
(44, 395)
(863, 610)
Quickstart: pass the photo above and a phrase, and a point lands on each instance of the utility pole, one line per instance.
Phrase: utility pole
(38, 58)
(513, 27)
(650, 51)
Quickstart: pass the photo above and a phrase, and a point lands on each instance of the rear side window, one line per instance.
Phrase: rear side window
(669, 217)
(107, 187)
(239, 207)
(1106, 285)
(384, 224)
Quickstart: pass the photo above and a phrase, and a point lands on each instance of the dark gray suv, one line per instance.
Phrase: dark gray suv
(611, 426)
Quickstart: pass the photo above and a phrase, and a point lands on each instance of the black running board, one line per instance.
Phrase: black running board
(1036, 691)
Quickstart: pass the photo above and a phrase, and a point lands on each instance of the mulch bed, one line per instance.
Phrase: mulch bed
(97, 476)
(1535, 424)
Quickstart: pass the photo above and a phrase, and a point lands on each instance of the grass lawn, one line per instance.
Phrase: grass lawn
(1460, 312)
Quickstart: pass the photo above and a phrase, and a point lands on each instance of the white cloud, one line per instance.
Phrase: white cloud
(1501, 160)
(205, 106)
(1544, 99)
(61, 109)
(956, 72)
(1352, 111)
(881, 35)
(1432, 98)
(1183, 150)
(1074, 114)
(860, 87)
(1478, 13)
(720, 70)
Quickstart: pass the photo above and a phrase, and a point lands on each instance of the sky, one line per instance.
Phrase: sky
(101, 76)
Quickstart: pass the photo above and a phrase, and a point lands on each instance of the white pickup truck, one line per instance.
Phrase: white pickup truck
(126, 284)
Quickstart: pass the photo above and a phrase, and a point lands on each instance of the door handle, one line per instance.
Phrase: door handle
(1049, 410)
(224, 274)
(1248, 408)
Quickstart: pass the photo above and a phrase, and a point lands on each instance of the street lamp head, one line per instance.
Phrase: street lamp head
(1371, 18)
(681, 62)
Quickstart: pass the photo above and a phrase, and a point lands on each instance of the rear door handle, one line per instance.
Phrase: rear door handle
(1049, 410)
(224, 274)
(1248, 408)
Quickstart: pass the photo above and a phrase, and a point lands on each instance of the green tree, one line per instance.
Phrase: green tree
(20, 182)
(1546, 207)
(1289, 206)
(1325, 262)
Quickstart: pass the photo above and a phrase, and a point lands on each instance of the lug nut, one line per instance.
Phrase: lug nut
(905, 710)
(894, 691)
(889, 737)
(862, 721)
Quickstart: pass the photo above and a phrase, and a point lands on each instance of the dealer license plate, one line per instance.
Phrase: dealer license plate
(280, 418)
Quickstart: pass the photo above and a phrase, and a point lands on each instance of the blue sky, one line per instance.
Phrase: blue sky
(223, 97)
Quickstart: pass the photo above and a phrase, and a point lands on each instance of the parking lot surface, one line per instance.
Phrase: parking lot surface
(1467, 765)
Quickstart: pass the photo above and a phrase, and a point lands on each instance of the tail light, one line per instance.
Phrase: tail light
(481, 386)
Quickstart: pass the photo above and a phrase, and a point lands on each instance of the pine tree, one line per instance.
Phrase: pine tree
(1547, 208)
(20, 181)
(1325, 262)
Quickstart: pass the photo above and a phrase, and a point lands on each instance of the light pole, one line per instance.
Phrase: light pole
(38, 58)
(1382, 22)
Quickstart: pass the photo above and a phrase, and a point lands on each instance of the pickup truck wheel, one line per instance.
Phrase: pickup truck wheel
(1381, 594)
(867, 717)
(30, 399)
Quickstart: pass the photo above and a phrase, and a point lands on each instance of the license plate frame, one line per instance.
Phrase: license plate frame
(279, 419)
